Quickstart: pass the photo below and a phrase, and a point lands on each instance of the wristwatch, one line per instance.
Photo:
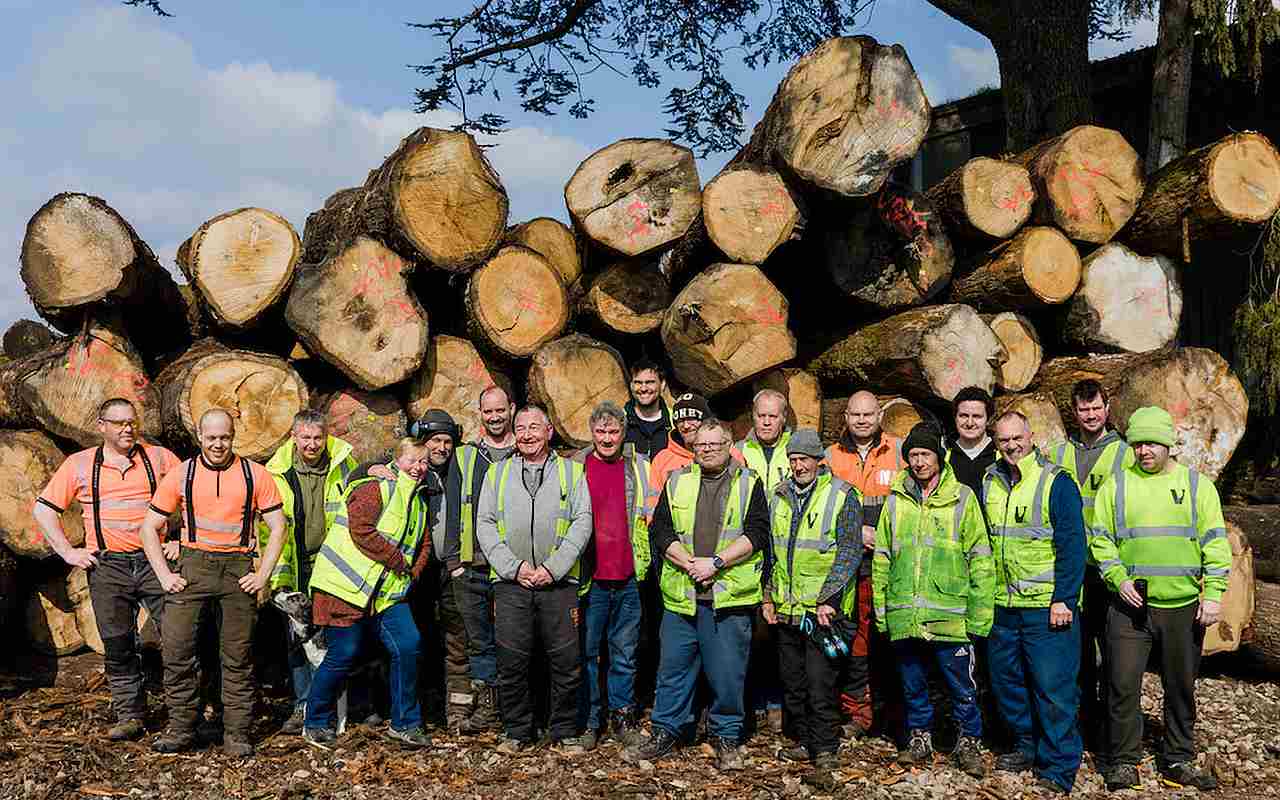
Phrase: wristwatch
(718, 562)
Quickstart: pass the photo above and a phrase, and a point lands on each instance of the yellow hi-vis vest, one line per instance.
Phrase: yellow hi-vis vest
(776, 469)
(1021, 536)
(343, 571)
(569, 472)
(802, 563)
(1115, 457)
(738, 585)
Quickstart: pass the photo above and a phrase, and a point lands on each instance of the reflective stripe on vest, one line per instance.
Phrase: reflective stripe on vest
(564, 470)
(467, 456)
(1188, 533)
(801, 563)
(246, 521)
(738, 585)
(1024, 550)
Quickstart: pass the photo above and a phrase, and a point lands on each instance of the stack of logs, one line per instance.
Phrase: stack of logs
(802, 265)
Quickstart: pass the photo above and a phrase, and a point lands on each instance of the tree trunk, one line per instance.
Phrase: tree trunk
(516, 303)
(261, 393)
(1195, 385)
(1126, 302)
(985, 199)
(357, 311)
(1088, 182)
(636, 195)
(61, 387)
(1264, 641)
(803, 393)
(1237, 602)
(1038, 267)
(727, 326)
(552, 240)
(937, 350)
(748, 211)
(1170, 85)
(435, 199)
(1041, 411)
(28, 460)
(25, 337)
(1023, 352)
(241, 263)
(891, 255)
(452, 376)
(569, 377)
(628, 297)
(1261, 526)
(53, 626)
(1215, 192)
(371, 422)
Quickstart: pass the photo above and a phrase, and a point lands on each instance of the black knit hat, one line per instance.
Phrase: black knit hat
(924, 436)
(690, 406)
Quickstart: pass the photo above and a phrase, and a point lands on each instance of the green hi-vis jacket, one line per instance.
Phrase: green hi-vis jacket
(772, 471)
(1116, 456)
(804, 545)
(932, 575)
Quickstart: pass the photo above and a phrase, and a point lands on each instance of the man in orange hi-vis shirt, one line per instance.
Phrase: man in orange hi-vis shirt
(218, 495)
(113, 483)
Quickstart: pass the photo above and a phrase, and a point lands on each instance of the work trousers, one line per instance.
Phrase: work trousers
(436, 608)
(119, 585)
(714, 643)
(1033, 676)
(809, 698)
(1093, 649)
(474, 591)
(611, 611)
(955, 661)
(212, 580)
(525, 618)
(1131, 635)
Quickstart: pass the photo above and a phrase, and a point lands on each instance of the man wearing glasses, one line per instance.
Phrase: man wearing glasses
(113, 483)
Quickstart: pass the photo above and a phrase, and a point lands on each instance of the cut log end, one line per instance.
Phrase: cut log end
(1088, 182)
(997, 196)
(25, 337)
(1041, 412)
(77, 249)
(629, 297)
(371, 422)
(1038, 267)
(1126, 302)
(569, 377)
(516, 302)
(28, 460)
(1244, 178)
(803, 393)
(748, 212)
(552, 240)
(1023, 351)
(241, 262)
(452, 376)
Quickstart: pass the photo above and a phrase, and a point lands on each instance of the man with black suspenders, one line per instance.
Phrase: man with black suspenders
(113, 483)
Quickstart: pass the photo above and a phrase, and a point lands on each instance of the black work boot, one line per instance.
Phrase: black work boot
(660, 744)
(484, 714)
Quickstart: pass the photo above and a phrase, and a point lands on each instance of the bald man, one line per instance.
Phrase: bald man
(868, 459)
(218, 495)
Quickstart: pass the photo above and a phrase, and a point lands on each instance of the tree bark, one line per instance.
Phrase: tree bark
(241, 263)
(1126, 302)
(628, 297)
(1261, 526)
(1170, 85)
(985, 200)
(1023, 352)
(1039, 267)
(749, 211)
(371, 422)
(552, 240)
(1264, 638)
(515, 303)
(28, 460)
(569, 377)
(937, 350)
(1041, 411)
(452, 376)
(25, 337)
(727, 326)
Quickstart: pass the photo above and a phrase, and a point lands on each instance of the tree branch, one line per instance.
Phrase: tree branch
(974, 14)
(571, 18)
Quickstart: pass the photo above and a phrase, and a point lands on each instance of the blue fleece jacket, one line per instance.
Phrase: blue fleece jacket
(1066, 515)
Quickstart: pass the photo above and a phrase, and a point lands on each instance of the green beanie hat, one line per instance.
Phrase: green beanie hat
(1150, 424)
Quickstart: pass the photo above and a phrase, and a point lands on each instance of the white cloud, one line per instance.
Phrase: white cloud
(974, 67)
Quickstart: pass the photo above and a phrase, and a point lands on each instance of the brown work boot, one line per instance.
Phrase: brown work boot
(126, 730)
(484, 715)
(172, 741)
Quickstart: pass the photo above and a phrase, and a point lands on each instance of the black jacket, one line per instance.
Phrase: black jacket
(649, 438)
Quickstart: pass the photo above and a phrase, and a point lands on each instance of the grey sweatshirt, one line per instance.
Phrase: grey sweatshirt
(531, 521)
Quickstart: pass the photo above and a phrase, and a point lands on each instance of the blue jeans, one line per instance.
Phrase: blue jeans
(955, 660)
(299, 668)
(1033, 677)
(715, 643)
(473, 591)
(396, 628)
(612, 606)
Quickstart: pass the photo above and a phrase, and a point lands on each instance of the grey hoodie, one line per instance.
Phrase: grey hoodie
(531, 520)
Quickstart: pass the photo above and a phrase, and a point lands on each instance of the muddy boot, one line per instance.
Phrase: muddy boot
(455, 716)
(484, 715)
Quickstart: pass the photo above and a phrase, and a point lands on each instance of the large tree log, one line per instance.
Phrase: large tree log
(1126, 302)
(1041, 412)
(628, 297)
(1022, 349)
(356, 311)
(803, 393)
(552, 240)
(1087, 181)
(1038, 267)
(937, 350)
(1261, 526)
(892, 254)
(1264, 641)
(748, 211)
(635, 195)
(985, 199)
(452, 376)
(371, 422)
(241, 263)
(1195, 385)
(28, 460)
(436, 198)
(1237, 602)
(1214, 192)
(61, 387)
(52, 623)
(516, 303)
(261, 393)
(569, 377)
(25, 337)
(727, 326)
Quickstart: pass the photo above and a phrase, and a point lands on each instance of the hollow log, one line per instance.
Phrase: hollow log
(1023, 352)
(1214, 192)
(628, 297)
(1041, 411)
(748, 211)
(25, 337)
(727, 326)
(516, 302)
(552, 240)
(1237, 601)
(261, 393)
(52, 621)
(569, 376)
(1088, 182)
(635, 195)
(936, 350)
(357, 311)
(983, 200)
(803, 393)
(451, 378)
(1039, 267)
(1195, 385)
(371, 422)
(240, 263)
(436, 198)
(28, 460)
(1126, 302)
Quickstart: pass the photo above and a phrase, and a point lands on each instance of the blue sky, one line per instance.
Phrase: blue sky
(279, 104)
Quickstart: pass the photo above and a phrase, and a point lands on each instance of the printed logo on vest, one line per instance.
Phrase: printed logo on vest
(1095, 481)
(886, 477)
(813, 517)
(1020, 514)
(1178, 497)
